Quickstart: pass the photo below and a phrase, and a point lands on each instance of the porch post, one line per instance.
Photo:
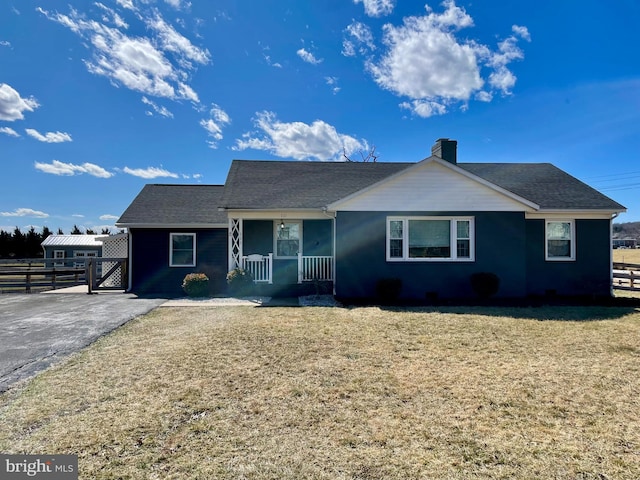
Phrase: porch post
(235, 243)
(271, 268)
(300, 266)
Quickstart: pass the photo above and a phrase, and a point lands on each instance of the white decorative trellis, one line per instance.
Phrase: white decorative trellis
(235, 243)
(114, 246)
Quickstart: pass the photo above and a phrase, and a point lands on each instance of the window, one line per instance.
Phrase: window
(58, 254)
(288, 236)
(560, 243)
(83, 254)
(183, 250)
(429, 238)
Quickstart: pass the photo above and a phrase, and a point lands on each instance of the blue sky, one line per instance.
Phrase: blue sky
(99, 98)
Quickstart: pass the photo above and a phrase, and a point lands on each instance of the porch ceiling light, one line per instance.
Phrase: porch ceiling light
(281, 224)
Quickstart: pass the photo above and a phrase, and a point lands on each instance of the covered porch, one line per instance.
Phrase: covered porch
(282, 249)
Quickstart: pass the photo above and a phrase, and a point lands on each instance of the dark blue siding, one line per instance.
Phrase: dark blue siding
(69, 251)
(589, 274)
(257, 237)
(317, 237)
(150, 269)
(505, 244)
(361, 257)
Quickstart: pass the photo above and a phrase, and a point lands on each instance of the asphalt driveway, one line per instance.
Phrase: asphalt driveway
(38, 330)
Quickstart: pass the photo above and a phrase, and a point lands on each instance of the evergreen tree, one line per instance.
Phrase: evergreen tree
(32, 248)
(60, 232)
(105, 231)
(75, 230)
(18, 246)
(5, 243)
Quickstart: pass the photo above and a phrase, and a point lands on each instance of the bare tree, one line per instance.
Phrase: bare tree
(369, 156)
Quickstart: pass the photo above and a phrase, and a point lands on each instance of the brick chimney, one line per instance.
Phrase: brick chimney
(446, 149)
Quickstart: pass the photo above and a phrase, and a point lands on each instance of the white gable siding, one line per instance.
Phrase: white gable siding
(431, 187)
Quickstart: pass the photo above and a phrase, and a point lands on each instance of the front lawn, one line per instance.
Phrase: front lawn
(331, 393)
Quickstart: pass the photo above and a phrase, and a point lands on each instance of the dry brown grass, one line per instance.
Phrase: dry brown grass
(628, 255)
(328, 393)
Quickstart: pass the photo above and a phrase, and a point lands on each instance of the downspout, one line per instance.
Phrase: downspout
(130, 261)
(333, 224)
(613, 217)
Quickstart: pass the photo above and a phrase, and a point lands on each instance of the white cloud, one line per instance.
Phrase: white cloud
(308, 57)
(377, 8)
(49, 137)
(483, 96)
(425, 108)
(112, 16)
(138, 63)
(150, 172)
(426, 62)
(69, 169)
(5, 43)
(522, 32)
(317, 141)
(171, 41)
(213, 125)
(160, 110)
(178, 4)
(128, 4)
(24, 212)
(9, 131)
(333, 83)
(12, 105)
(360, 40)
(108, 217)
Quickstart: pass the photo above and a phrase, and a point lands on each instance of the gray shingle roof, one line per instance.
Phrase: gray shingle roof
(175, 204)
(282, 184)
(286, 184)
(265, 185)
(544, 184)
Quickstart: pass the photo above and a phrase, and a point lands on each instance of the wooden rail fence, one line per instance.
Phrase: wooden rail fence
(40, 274)
(626, 276)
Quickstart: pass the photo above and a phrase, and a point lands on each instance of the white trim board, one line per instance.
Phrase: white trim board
(434, 185)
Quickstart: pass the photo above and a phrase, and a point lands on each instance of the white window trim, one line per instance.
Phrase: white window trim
(572, 254)
(275, 238)
(171, 235)
(62, 257)
(453, 238)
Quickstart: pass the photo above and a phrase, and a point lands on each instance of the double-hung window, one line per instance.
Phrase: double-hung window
(288, 235)
(182, 250)
(560, 240)
(430, 238)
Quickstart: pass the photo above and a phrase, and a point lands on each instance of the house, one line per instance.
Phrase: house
(430, 224)
(70, 249)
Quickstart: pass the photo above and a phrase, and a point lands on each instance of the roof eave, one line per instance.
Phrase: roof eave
(171, 225)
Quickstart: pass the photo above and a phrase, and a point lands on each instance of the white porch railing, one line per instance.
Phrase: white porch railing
(315, 268)
(310, 268)
(260, 267)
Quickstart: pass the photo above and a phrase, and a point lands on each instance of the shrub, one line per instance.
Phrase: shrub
(196, 285)
(485, 284)
(388, 289)
(240, 282)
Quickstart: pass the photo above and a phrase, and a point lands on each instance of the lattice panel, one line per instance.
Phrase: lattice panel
(235, 242)
(116, 246)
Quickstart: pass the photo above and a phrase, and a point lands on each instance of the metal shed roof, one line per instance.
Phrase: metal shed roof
(72, 241)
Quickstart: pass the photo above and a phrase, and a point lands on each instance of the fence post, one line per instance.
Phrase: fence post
(88, 273)
(28, 287)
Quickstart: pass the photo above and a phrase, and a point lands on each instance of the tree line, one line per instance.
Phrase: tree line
(18, 244)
